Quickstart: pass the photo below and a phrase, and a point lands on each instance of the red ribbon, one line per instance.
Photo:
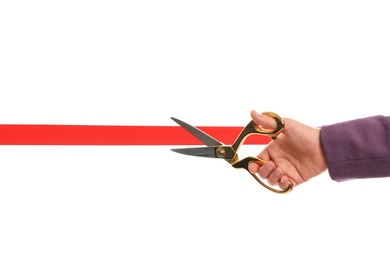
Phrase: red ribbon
(116, 135)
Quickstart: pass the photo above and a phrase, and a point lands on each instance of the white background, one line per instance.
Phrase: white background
(207, 63)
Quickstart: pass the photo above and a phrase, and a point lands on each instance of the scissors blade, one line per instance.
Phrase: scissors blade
(202, 136)
(198, 151)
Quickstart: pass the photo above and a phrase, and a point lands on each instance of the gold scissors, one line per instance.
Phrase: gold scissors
(216, 149)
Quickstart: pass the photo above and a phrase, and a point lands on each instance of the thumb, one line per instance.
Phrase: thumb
(263, 120)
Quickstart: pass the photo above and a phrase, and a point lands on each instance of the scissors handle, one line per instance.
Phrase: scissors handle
(244, 164)
(253, 128)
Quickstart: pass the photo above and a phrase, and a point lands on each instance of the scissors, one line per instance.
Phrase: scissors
(216, 149)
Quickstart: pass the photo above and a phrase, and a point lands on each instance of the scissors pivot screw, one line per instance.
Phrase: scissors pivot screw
(220, 152)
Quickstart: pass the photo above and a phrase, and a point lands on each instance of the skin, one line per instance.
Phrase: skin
(295, 156)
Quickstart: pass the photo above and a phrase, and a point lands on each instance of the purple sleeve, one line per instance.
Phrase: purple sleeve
(358, 148)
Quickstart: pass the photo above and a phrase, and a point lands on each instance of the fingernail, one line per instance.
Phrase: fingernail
(281, 180)
(277, 174)
(268, 167)
(257, 113)
(250, 168)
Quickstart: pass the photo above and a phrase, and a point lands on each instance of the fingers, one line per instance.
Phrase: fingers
(274, 175)
(263, 120)
(284, 182)
(267, 171)
(253, 167)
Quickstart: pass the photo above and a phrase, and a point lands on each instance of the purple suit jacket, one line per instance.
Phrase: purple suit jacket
(358, 148)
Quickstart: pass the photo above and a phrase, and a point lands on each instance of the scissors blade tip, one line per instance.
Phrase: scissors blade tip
(177, 120)
(200, 135)
(199, 151)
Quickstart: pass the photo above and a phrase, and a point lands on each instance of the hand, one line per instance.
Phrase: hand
(295, 156)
